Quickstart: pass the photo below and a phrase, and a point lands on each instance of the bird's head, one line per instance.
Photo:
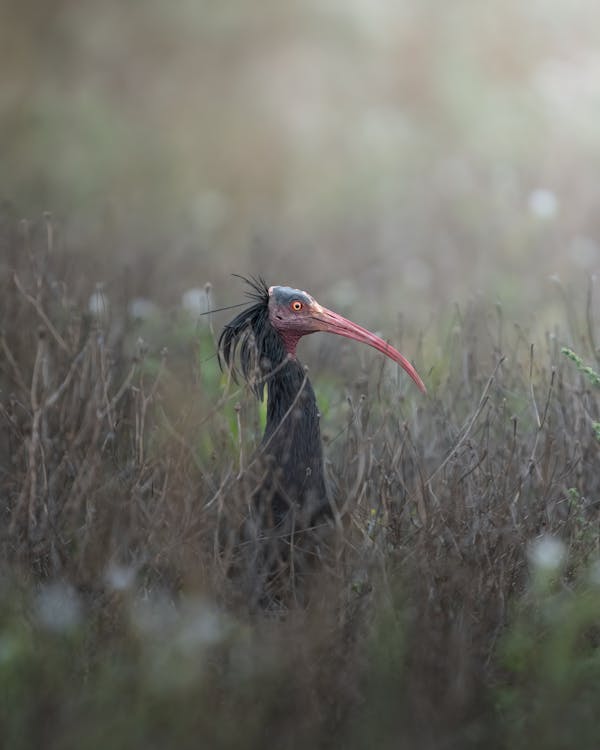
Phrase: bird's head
(294, 313)
(280, 318)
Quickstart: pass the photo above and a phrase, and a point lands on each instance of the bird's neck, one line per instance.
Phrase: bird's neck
(293, 438)
(291, 402)
(288, 387)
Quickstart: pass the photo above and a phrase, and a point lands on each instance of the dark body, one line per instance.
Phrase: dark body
(286, 480)
(292, 442)
(290, 465)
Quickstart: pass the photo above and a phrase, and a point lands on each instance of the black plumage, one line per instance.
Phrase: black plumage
(286, 480)
(291, 455)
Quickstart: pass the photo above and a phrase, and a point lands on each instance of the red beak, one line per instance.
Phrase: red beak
(331, 322)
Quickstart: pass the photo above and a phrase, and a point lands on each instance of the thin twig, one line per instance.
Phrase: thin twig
(531, 391)
(38, 308)
(482, 403)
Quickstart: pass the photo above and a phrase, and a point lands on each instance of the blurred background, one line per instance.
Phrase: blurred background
(431, 170)
(386, 156)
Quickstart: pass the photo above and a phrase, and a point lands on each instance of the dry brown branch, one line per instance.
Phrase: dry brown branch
(42, 315)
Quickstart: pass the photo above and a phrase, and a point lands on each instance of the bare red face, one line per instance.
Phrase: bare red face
(294, 314)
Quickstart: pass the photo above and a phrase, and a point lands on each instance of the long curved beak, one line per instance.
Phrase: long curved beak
(329, 321)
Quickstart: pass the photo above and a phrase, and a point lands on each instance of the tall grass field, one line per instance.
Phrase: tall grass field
(428, 170)
(458, 604)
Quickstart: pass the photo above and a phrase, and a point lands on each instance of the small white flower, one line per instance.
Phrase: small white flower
(201, 625)
(177, 639)
(98, 304)
(141, 308)
(58, 607)
(119, 577)
(195, 301)
(543, 203)
(547, 553)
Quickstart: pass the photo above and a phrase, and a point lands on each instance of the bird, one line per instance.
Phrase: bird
(292, 490)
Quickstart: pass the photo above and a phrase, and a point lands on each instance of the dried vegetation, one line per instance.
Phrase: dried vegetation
(429, 624)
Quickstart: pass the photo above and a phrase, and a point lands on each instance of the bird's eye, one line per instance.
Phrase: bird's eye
(296, 305)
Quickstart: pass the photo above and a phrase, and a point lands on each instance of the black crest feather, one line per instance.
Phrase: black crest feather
(250, 340)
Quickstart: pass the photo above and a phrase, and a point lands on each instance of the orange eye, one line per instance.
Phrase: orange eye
(296, 305)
